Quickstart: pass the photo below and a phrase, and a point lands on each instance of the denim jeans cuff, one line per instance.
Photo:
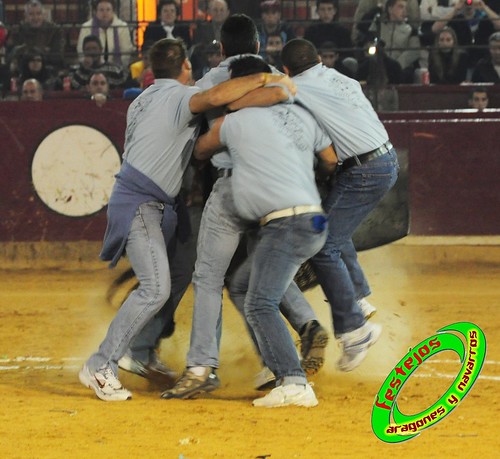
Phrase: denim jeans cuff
(293, 380)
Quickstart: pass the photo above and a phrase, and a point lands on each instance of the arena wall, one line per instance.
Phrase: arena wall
(453, 170)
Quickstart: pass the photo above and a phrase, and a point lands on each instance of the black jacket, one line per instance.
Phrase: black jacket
(484, 72)
(155, 32)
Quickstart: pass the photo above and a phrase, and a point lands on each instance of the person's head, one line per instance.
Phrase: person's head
(239, 35)
(168, 58)
(219, 11)
(494, 46)
(168, 11)
(248, 65)
(32, 90)
(214, 54)
(396, 10)
(274, 43)
(92, 48)
(446, 39)
(299, 55)
(328, 53)
(35, 61)
(478, 99)
(104, 11)
(327, 10)
(34, 15)
(98, 84)
(270, 12)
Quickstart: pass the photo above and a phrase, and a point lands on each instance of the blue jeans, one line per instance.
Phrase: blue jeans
(147, 253)
(283, 245)
(220, 233)
(353, 195)
(293, 306)
(162, 324)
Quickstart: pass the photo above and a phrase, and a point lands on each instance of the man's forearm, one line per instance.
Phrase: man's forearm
(208, 143)
(234, 89)
(261, 97)
(226, 92)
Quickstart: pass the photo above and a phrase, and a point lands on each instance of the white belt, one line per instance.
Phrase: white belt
(298, 210)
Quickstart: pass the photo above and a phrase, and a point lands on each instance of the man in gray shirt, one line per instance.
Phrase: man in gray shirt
(220, 233)
(161, 129)
(272, 150)
(368, 168)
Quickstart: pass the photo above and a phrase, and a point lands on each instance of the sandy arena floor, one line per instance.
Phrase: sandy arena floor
(51, 320)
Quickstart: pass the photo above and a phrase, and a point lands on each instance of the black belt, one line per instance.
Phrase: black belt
(365, 157)
(224, 173)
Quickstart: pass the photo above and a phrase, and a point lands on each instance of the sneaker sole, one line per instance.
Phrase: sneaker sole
(191, 394)
(353, 364)
(166, 381)
(315, 358)
(86, 380)
(303, 403)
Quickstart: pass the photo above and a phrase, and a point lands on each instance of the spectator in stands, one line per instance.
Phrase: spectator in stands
(400, 40)
(327, 28)
(36, 32)
(98, 89)
(377, 68)
(213, 57)
(208, 31)
(380, 73)
(92, 61)
(113, 33)
(447, 62)
(473, 24)
(166, 26)
(271, 23)
(362, 22)
(32, 90)
(431, 10)
(330, 57)
(272, 52)
(478, 99)
(141, 75)
(33, 66)
(487, 69)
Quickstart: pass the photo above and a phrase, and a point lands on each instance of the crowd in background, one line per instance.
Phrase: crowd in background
(385, 42)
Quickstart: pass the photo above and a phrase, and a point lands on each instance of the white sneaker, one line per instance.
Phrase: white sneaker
(105, 384)
(291, 394)
(368, 309)
(355, 345)
(264, 379)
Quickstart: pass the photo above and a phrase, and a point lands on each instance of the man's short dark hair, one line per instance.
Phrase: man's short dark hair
(166, 57)
(477, 89)
(335, 3)
(95, 3)
(239, 35)
(248, 65)
(91, 39)
(166, 2)
(299, 55)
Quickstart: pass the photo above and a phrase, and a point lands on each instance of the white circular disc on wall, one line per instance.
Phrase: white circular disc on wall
(73, 170)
